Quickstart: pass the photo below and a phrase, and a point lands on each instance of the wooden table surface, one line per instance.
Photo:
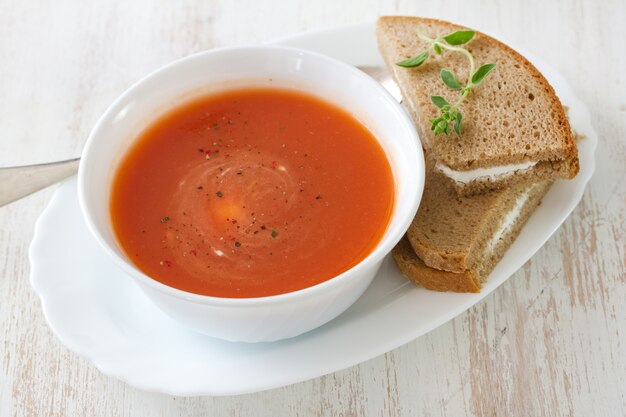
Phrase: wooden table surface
(550, 341)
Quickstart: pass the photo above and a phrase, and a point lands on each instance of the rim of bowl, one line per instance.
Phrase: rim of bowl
(383, 247)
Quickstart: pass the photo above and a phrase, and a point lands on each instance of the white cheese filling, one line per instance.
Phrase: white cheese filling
(509, 220)
(492, 173)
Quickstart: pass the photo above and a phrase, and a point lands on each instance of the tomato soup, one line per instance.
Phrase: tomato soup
(251, 193)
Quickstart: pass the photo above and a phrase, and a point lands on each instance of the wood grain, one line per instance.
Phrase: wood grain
(551, 341)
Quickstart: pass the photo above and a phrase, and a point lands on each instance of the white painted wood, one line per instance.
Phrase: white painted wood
(550, 341)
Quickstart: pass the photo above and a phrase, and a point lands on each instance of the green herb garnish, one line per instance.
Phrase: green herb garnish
(219, 194)
(274, 233)
(450, 113)
(165, 219)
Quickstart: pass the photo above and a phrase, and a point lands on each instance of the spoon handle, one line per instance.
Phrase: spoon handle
(18, 182)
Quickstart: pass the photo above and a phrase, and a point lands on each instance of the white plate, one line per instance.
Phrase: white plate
(98, 313)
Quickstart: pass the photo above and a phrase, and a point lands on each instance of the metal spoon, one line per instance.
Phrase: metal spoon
(20, 181)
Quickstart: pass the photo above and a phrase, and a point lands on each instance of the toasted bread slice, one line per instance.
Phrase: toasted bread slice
(458, 240)
(432, 279)
(514, 127)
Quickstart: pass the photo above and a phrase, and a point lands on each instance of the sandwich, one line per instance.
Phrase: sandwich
(454, 242)
(514, 129)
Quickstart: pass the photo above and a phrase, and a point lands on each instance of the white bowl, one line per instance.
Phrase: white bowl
(262, 318)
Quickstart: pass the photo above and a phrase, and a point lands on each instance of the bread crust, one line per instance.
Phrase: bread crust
(432, 279)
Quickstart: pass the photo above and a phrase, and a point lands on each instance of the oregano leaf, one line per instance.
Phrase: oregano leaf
(457, 123)
(437, 48)
(439, 101)
(413, 62)
(481, 73)
(450, 80)
(459, 37)
(444, 126)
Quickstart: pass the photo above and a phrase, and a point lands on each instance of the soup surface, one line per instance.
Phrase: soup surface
(251, 193)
